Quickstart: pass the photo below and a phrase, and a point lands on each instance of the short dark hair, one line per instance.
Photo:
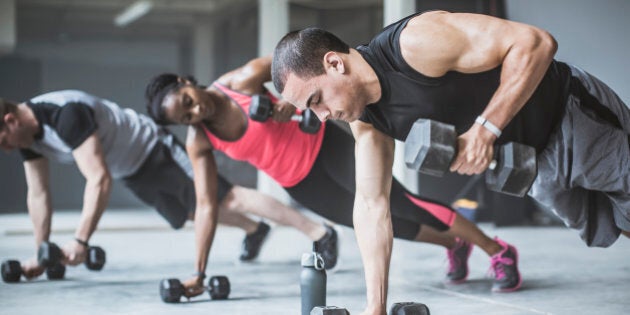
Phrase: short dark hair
(6, 107)
(157, 89)
(302, 52)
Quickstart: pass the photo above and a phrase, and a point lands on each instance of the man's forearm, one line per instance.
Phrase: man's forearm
(40, 210)
(205, 227)
(523, 69)
(94, 203)
(374, 233)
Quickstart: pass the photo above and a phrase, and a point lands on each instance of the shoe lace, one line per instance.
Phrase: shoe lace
(498, 265)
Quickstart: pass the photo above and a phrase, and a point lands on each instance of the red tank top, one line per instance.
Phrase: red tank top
(281, 150)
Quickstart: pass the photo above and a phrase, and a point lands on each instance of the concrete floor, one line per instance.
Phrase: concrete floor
(561, 275)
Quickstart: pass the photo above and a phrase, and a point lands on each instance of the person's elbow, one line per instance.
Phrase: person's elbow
(101, 180)
(375, 206)
(542, 43)
(548, 44)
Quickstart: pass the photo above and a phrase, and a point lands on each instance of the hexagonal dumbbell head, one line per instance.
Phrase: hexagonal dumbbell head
(95, 258)
(329, 310)
(260, 107)
(171, 290)
(310, 123)
(430, 147)
(409, 308)
(219, 287)
(11, 271)
(48, 254)
(515, 171)
(56, 272)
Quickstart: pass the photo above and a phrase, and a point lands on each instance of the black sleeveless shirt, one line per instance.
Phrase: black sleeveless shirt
(455, 98)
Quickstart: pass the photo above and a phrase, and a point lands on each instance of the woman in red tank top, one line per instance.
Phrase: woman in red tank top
(316, 169)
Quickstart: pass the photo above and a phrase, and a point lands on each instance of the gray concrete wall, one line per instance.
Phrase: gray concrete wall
(591, 34)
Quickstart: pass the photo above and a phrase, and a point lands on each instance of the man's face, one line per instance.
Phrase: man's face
(332, 95)
(13, 134)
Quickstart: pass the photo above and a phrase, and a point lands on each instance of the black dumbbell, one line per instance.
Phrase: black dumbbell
(171, 290)
(329, 310)
(49, 255)
(12, 271)
(409, 308)
(431, 147)
(261, 108)
(403, 308)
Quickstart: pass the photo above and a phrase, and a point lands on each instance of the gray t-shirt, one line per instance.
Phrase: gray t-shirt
(67, 118)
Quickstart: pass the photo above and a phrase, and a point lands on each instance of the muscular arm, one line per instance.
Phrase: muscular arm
(91, 162)
(372, 220)
(250, 77)
(206, 213)
(38, 198)
(437, 42)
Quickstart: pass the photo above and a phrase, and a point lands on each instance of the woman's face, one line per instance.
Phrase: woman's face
(188, 105)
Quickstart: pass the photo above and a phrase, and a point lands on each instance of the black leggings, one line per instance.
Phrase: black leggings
(329, 190)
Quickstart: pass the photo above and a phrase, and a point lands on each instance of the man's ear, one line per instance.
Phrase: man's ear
(9, 119)
(333, 61)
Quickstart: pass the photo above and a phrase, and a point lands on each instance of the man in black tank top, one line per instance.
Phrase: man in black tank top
(496, 81)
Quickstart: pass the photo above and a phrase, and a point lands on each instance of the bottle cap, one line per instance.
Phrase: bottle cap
(312, 260)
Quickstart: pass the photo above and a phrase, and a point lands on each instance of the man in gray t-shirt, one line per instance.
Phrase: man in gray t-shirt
(108, 142)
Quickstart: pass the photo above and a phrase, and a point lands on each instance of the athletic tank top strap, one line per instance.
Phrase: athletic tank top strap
(281, 150)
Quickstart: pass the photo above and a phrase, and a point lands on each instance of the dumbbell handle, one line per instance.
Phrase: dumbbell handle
(298, 118)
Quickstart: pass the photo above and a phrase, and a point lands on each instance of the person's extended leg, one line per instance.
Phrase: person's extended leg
(246, 200)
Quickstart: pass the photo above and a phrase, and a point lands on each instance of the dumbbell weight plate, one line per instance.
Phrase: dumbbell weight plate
(409, 308)
(171, 290)
(56, 272)
(329, 310)
(95, 258)
(219, 287)
(515, 172)
(260, 108)
(48, 254)
(430, 147)
(11, 271)
(310, 123)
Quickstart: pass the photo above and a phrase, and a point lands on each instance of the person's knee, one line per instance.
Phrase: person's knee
(232, 200)
(176, 224)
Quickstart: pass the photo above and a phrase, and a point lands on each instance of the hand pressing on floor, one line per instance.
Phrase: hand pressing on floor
(193, 286)
(31, 269)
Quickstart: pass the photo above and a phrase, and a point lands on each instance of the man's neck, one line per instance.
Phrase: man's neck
(367, 76)
(28, 119)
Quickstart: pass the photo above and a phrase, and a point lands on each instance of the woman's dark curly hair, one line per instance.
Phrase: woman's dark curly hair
(157, 89)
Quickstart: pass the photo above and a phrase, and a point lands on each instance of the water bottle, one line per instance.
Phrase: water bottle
(312, 281)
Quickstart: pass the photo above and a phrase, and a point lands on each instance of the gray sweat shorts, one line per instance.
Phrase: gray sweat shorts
(584, 172)
(165, 181)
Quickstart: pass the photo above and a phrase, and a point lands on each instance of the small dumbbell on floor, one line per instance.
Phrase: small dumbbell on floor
(49, 255)
(172, 290)
(404, 308)
(261, 109)
(431, 147)
(12, 271)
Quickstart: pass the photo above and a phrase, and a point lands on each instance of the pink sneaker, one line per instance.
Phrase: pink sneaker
(458, 261)
(504, 265)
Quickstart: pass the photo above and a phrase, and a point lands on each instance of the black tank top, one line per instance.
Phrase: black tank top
(455, 98)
